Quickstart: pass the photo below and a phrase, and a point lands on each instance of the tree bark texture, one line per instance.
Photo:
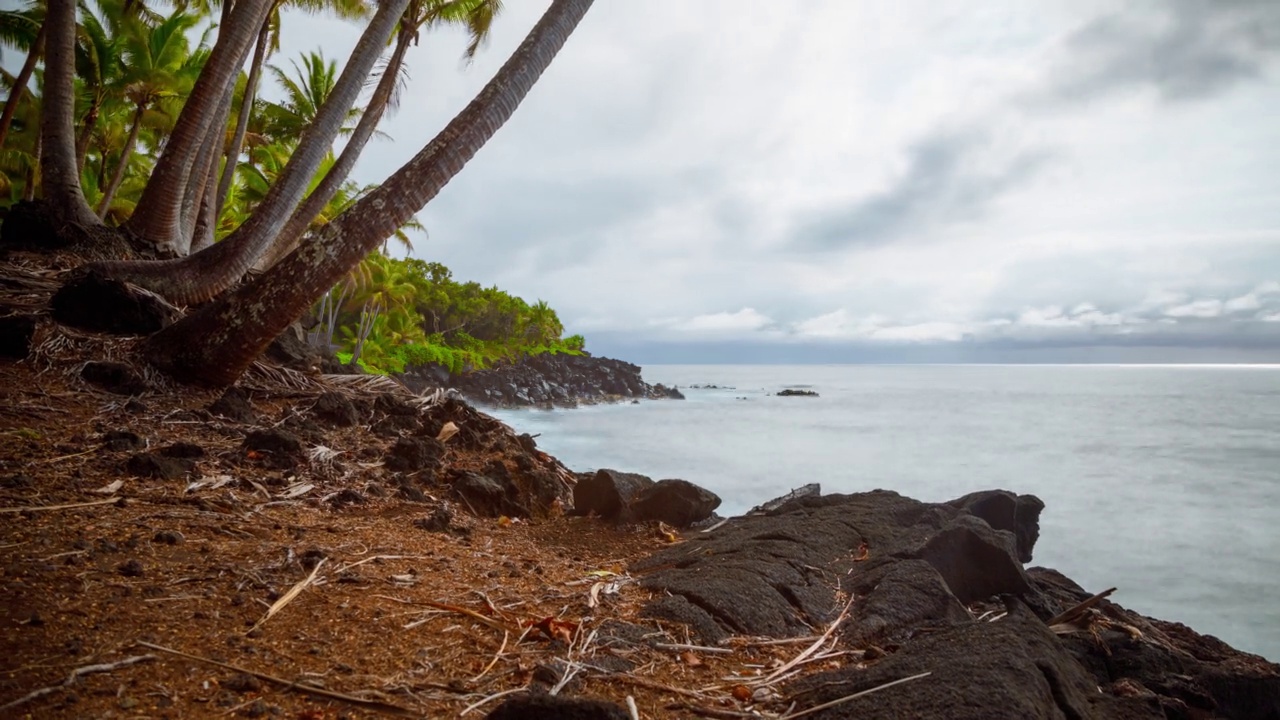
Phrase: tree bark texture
(157, 220)
(60, 177)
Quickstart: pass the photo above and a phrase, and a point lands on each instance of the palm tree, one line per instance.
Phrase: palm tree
(268, 42)
(23, 29)
(201, 276)
(158, 217)
(306, 91)
(215, 344)
(476, 15)
(99, 65)
(60, 176)
(154, 57)
(20, 156)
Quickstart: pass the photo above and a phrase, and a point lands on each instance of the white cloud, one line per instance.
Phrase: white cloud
(1248, 301)
(744, 319)
(1196, 309)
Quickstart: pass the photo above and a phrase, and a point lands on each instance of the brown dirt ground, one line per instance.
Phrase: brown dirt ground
(195, 570)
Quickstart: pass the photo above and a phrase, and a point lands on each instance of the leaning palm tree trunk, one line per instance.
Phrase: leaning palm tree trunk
(207, 219)
(20, 83)
(157, 219)
(214, 345)
(206, 162)
(60, 177)
(201, 276)
(109, 194)
(315, 202)
(242, 120)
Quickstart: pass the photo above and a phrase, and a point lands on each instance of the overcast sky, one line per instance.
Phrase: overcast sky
(844, 180)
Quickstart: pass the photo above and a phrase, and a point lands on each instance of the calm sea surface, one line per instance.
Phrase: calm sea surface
(1161, 480)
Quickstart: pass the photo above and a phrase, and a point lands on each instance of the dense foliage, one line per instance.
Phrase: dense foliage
(391, 314)
(134, 71)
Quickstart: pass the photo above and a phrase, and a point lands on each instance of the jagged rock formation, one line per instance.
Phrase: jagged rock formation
(551, 380)
(941, 588)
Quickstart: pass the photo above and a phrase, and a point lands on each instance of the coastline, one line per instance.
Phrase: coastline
(417, 555)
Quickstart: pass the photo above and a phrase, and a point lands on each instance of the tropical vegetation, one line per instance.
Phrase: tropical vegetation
(144, 132)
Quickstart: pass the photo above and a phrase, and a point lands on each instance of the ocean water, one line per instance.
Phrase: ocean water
(1163, 481)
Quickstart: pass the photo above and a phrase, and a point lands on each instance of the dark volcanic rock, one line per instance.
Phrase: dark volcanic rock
(770, 574)
(808, 490)
(27, 226)
(1018, 514)
(440, 520)
(925, 585)
(675, 502)
(413, 454)
(335, 410)
(556, 707)
(546, 380)
(121, 440)
(490, 496)
(183, 450)
(91, 301)
(975, 561)
(16, 332)
(1011, 669)
(114, 377)
(899, 599)
(609, 493)
(792, 392)
(234, 405)
(157, 466)
(1191, 675)
(281, 448)
(392, 405)
(677, 608)
(532, 482)
(291, 350)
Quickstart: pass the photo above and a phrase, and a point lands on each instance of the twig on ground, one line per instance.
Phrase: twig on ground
(718, 713)
(653, 685)
(631, 708)
(288, 597)
(855, 696)
(1075, 612)
(75, 675)
(374, 705)
(68, 506)
(482, 619)
(822, 639)
(489, 698)
(698, 648)
(505, 636)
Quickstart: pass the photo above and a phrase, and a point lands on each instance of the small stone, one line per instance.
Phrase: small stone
(242, 683)
(116, 378)
(130, 568)
(234, 405)
(157, 466)
(169, 537)
(16, 332)
(121, 440)
(184, 450)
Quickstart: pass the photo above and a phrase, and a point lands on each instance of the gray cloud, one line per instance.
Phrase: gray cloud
(942, 184)
(670, 182)
(1188, 50)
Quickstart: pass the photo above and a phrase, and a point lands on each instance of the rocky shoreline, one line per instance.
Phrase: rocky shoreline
(308, 545)
(544, 381)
